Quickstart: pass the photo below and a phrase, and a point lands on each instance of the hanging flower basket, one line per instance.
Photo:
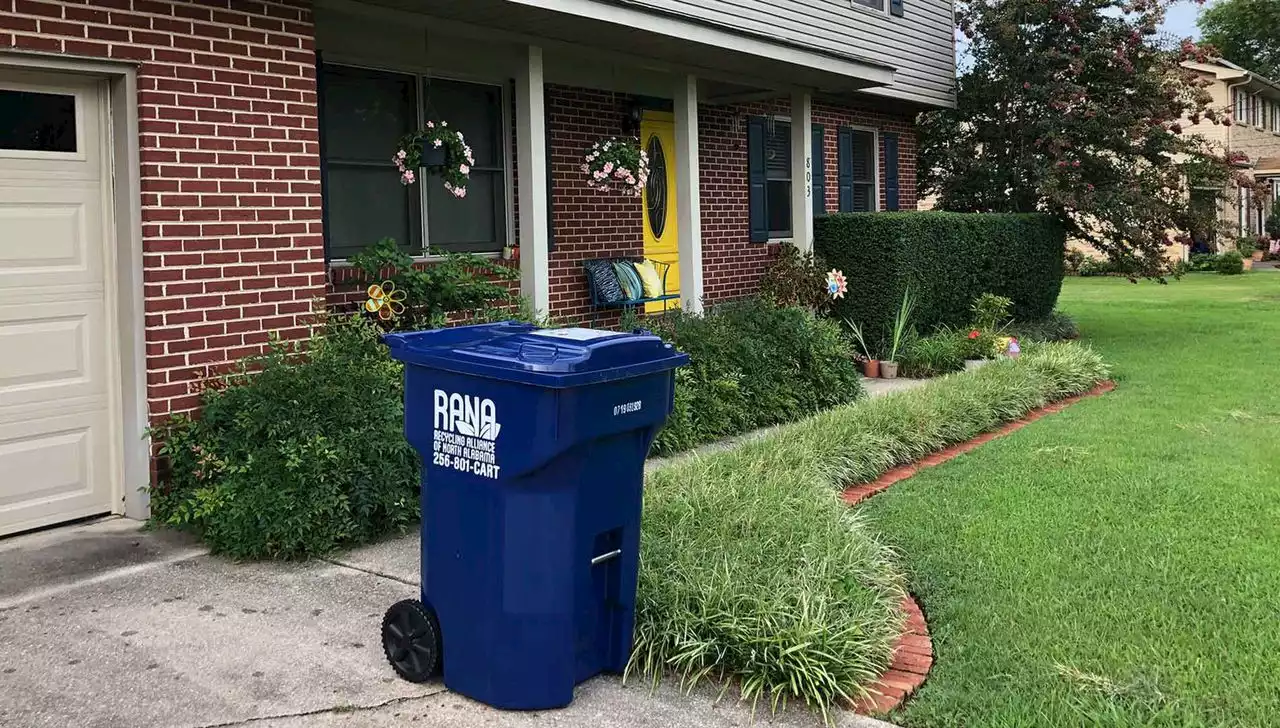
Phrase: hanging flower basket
(440, 150)
(616, 164)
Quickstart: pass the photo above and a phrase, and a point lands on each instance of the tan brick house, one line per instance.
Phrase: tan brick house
(181, 179)
(1253, 138)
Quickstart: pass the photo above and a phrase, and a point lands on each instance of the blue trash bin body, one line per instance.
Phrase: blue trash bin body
(533, 445)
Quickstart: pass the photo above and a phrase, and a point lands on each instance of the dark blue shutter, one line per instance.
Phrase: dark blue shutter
(844, 158)
(895, 8)
(756, 202)
(891, 171)
(819, 171)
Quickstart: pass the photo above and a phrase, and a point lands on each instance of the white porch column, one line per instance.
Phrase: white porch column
(531, 158)
(688, 194)
(802, 170)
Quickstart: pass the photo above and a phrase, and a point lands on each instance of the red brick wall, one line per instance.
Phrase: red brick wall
(586, 223)
(731, 264)
(232, 245)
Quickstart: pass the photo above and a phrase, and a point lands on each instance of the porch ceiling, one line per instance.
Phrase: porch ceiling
(658, 42)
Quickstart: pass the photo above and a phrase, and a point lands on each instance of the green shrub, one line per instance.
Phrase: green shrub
(752, 365)
(1091, 267)
(796, 279)
(935, 355)
(429, 293)
(1246, 245)
(947, 259)
(1203, 262)
(1231, 263)
(303, 455)
(753, 571)
(1057, 326)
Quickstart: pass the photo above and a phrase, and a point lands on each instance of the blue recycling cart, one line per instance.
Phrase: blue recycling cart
(533, 444)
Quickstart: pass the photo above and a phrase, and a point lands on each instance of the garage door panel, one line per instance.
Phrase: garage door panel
(52, 352)
(50, 237)
(46, 238)
(59, 385)
(52, 469)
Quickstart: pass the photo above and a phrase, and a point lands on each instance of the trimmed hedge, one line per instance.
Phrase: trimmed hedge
(755, 573)
(948, 259)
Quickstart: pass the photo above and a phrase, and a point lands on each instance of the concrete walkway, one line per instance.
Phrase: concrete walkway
(109, 625)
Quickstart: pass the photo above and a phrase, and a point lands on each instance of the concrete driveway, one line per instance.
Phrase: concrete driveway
(105, 624)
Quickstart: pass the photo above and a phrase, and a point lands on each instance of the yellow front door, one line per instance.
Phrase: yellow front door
(661, 237)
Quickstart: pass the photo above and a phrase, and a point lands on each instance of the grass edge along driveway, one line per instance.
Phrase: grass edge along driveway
(1117, 564)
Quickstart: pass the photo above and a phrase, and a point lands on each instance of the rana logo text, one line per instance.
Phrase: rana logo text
(466, 415)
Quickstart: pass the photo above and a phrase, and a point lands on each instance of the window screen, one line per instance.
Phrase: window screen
(364, 113)
(777, 158)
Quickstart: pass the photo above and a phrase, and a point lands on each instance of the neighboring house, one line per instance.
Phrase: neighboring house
(1253, 137)
(179, 180)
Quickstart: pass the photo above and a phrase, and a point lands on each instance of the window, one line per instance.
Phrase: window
(777, 162)
(1238, 101)
(37, 122)
(857, 156)
(363, 114)
(873, 4)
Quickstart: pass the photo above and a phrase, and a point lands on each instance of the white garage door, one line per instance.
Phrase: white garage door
(58, 432)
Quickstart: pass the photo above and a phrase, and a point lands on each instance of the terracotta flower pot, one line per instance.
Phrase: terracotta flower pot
(871, 368)
(1258, 255)
(1248, 263)
(889, 369)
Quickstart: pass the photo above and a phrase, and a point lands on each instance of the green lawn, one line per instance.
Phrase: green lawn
(1117, 564)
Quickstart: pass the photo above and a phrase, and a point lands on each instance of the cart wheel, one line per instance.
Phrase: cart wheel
(411, 640)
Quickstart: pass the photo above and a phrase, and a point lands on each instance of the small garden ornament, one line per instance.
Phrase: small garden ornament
(385, 301)
(837, 286)
(440, 150)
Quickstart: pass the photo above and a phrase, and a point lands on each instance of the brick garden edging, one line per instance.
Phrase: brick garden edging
(913, 654)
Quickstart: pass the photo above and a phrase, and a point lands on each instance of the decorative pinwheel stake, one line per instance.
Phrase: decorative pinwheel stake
(385, 301)
(836, 284)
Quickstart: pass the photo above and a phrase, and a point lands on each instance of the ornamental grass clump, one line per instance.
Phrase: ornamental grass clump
(754, 572)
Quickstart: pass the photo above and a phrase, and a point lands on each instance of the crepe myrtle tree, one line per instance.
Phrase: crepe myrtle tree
(1077, 108)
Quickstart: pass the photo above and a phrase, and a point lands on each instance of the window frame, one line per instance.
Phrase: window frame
(81, 153)
(420, 74)
(876, 181)
(861, 5)
(776, 236)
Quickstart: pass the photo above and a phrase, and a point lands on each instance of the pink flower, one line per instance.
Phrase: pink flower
(431, 125)
(444, 124)
(464, 169)
(608, 167)
(437, 144)
(401, 154)
(585, 169)
(407, 178)
(460, 192)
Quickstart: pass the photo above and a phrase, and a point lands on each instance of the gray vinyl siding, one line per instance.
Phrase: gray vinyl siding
(920, 45)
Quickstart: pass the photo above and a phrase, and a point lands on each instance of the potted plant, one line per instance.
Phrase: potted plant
(619, 164)
(869, 358)
(898, 336)
(1248, 249)
(440, 150)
